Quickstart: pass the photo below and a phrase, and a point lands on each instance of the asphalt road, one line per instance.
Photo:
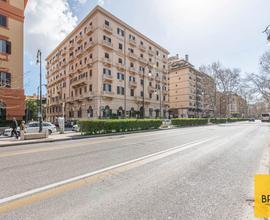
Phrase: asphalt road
(191, 173)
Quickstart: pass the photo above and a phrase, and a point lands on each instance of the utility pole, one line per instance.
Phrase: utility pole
(40, 89)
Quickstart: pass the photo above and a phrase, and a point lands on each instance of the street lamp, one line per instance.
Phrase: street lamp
(40, 91)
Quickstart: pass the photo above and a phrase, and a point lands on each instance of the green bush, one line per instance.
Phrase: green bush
(237, 119)
(185, 122)
(225, 120)
(218, 120)
(120, 125)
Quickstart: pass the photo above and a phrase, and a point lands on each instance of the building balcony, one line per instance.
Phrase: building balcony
(142, 48)
(120, 66)
(107, 78)
(89, 45)
(140, 100)
(132, 70)
(132, 55)
(107, 44)
(108, 29)
(63, 53)
(108, 94)
(164, 60)
(79, 54)
(71, 46)
(142, 60)
(107, 61)
(157, 78)
(151, 53)
(89, 63)
(79, 39)
(78, 82)
(132, 83)
(151, 89)
(89, 30)
(71, 59)
(132, 42)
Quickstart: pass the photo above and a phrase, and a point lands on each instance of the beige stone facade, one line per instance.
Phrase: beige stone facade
(99, 70)
(11, 58)
(191, 92)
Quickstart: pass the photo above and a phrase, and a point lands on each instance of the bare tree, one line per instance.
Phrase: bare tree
(227, 80)
(261, 82)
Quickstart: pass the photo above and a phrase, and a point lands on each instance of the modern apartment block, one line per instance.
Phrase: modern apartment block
(231, 105)
(105, 68)
(11, 58)
(191, 92)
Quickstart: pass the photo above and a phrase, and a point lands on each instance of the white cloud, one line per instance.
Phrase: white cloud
(46, 25)
(101, 2)
(82, 1)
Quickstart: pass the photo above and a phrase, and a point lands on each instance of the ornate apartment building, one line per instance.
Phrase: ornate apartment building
(191, 92)
(105, 68)
(11, 58)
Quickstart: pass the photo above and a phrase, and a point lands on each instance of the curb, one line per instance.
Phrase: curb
(79, 137)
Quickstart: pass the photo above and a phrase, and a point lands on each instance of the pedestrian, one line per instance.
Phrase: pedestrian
(22, 127)
(14, 126)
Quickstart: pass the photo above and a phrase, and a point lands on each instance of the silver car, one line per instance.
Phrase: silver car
(33, 127)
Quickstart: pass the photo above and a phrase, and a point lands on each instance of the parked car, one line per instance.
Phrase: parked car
(251, 119)
(76, 128)
(33, 127)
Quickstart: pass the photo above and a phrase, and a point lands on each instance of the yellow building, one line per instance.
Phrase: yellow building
(11, 58)
(191, 92)
(100, 68)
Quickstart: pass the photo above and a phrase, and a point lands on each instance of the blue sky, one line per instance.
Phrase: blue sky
(229, 31)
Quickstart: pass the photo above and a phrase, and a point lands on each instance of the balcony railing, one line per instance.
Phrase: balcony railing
(107, 28)
(151, 53)
(132, 55)
(142, 47)
(132, 70)
(120, 66)
(132, 83)
(107, 61)
(79, 39)
(132, 42)
(107, 77)
(89, 30)
(107, 44)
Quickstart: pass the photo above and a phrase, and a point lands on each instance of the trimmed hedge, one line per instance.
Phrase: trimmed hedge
(186, 122)
(225, 120)
(218, 120)
(120, 125)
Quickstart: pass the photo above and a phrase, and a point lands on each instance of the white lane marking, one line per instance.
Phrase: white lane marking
(166, 152)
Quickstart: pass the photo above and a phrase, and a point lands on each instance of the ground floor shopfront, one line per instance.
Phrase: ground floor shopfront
(105, 107)
(11, 104)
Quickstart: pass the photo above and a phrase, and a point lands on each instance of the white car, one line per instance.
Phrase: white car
(76, 128)
(33, 127)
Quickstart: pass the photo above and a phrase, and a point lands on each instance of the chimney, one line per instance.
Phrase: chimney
(187, 58)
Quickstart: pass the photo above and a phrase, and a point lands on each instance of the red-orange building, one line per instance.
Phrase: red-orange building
(11, 58)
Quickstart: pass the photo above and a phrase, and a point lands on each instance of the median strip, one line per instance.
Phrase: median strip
(38, 194)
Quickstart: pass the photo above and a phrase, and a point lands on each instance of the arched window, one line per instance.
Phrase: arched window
(90, 112)
(120, 112)
(80, 112)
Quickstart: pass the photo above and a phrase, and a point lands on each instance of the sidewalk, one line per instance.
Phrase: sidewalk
(69, 135)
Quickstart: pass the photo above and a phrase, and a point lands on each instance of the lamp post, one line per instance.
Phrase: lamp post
(40, 90)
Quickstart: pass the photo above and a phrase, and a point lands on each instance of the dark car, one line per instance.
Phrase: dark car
(252, 119)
